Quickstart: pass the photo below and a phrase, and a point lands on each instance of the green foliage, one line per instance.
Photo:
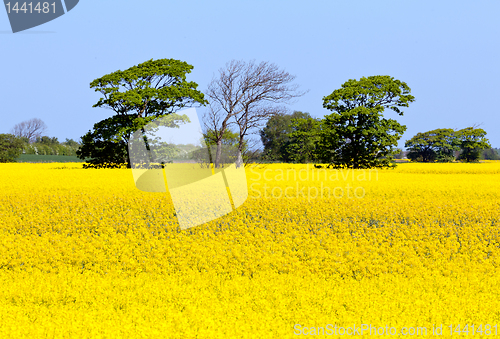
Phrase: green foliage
(229, 138)
(138, 96)
(45, 140)
(71, 143)
(155, 87)
(33, 158)
(472, 142)
(399, 153)
(436, 145)
(275, 136)
(45, 145)
(356, 135)
(303, 139)
(229, 151)
(101, 149)
(10, 147)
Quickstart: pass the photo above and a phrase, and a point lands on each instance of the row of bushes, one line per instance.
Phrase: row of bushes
(41, 149)
(50, 146)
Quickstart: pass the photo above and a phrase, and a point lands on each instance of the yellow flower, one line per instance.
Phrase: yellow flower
(84, 254)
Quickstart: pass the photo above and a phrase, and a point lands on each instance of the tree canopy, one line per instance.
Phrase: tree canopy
(137, 96)
(441, 144)
(100, 147)
(356, 135)
(472, 142)
(438, 144)
(303, 139)
(11, 147)
(490, 154)
(275, 136)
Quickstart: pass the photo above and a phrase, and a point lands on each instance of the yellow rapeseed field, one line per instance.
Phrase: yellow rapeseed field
(84, 254)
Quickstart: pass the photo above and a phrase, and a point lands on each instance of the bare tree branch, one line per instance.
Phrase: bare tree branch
(247, 94)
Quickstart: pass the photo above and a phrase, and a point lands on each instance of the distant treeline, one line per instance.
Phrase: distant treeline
(50, 146)
(487, 154)
(491, 154)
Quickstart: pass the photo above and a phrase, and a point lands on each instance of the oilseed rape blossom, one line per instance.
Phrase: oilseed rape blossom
(84, 254)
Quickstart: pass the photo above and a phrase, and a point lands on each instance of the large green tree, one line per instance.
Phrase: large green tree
(101, 148)
(136, 96)
(472, 142)
(436, 145)
(275, 136)
(356, 134)
(11, 147)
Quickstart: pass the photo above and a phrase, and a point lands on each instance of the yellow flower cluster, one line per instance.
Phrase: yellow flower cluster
(84, 254)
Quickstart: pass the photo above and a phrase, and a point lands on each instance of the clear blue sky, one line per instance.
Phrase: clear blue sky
(446, 51)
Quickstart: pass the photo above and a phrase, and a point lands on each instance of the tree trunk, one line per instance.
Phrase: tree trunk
(129, 164)
(239, 159)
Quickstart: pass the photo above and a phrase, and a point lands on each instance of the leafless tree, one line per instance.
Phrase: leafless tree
(30, 129)
(246, 94)
(216, 121)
